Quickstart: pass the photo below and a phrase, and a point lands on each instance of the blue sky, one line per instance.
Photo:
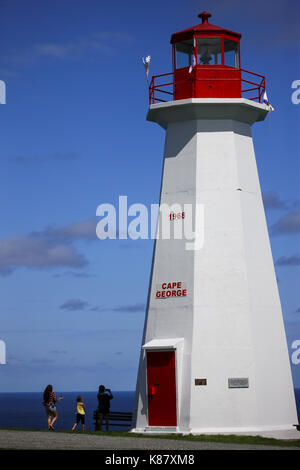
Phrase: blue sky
(74, 135)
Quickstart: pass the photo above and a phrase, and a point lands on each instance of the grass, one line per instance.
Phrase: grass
(228, 438)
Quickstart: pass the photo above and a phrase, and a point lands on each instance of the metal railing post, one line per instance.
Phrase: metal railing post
(256, 90)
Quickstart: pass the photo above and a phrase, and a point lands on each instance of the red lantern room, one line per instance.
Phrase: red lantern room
(206, 64)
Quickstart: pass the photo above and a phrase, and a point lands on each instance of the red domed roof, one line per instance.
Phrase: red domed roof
(204, 27)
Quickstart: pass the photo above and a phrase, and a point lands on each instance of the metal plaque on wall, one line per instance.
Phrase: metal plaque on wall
(238, 382)
(200, 381)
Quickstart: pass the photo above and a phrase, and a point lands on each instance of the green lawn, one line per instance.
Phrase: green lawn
(231, 438)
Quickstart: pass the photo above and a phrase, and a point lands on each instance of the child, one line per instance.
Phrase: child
(80, 413)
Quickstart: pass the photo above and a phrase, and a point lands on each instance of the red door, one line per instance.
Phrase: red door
(161, 388)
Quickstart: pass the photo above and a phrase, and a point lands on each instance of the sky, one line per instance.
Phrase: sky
(74, 135)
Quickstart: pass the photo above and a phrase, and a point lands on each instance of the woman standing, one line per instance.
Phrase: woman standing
(49, 402)
(104, 396)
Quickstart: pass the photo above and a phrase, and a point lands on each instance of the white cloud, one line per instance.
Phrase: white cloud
(289, 223)
(33, 252)
(74, 305)
(293, 260)
(103, 43)
(272, 200)
(82, 230)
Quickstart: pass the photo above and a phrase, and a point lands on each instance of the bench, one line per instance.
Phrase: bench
(118, 416)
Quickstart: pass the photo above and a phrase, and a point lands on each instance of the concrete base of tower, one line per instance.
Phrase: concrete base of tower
(243, 430)
(286, 432)
(160, 430)
(276, 432)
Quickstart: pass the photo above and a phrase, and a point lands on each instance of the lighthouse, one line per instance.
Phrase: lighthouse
(214, 355)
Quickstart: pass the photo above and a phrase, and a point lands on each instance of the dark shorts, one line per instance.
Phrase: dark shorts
(80, 418)
(50, 410)
(104, 413)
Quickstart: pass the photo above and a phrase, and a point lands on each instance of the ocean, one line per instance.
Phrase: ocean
(25, 410)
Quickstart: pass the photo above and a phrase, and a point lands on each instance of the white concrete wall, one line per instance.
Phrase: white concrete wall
(173, 317)
(222, 335)
(231, 319)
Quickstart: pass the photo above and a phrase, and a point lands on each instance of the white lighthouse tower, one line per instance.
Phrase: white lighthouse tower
(214, 355)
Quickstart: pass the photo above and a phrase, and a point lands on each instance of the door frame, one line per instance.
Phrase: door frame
(176, 384)
(177, 381)
(161, 345)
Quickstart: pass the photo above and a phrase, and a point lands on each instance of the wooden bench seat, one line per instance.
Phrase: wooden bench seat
(115, 418)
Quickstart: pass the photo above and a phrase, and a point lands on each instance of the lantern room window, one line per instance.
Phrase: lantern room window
(209, 51)
(184, 53)
(231, 53)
